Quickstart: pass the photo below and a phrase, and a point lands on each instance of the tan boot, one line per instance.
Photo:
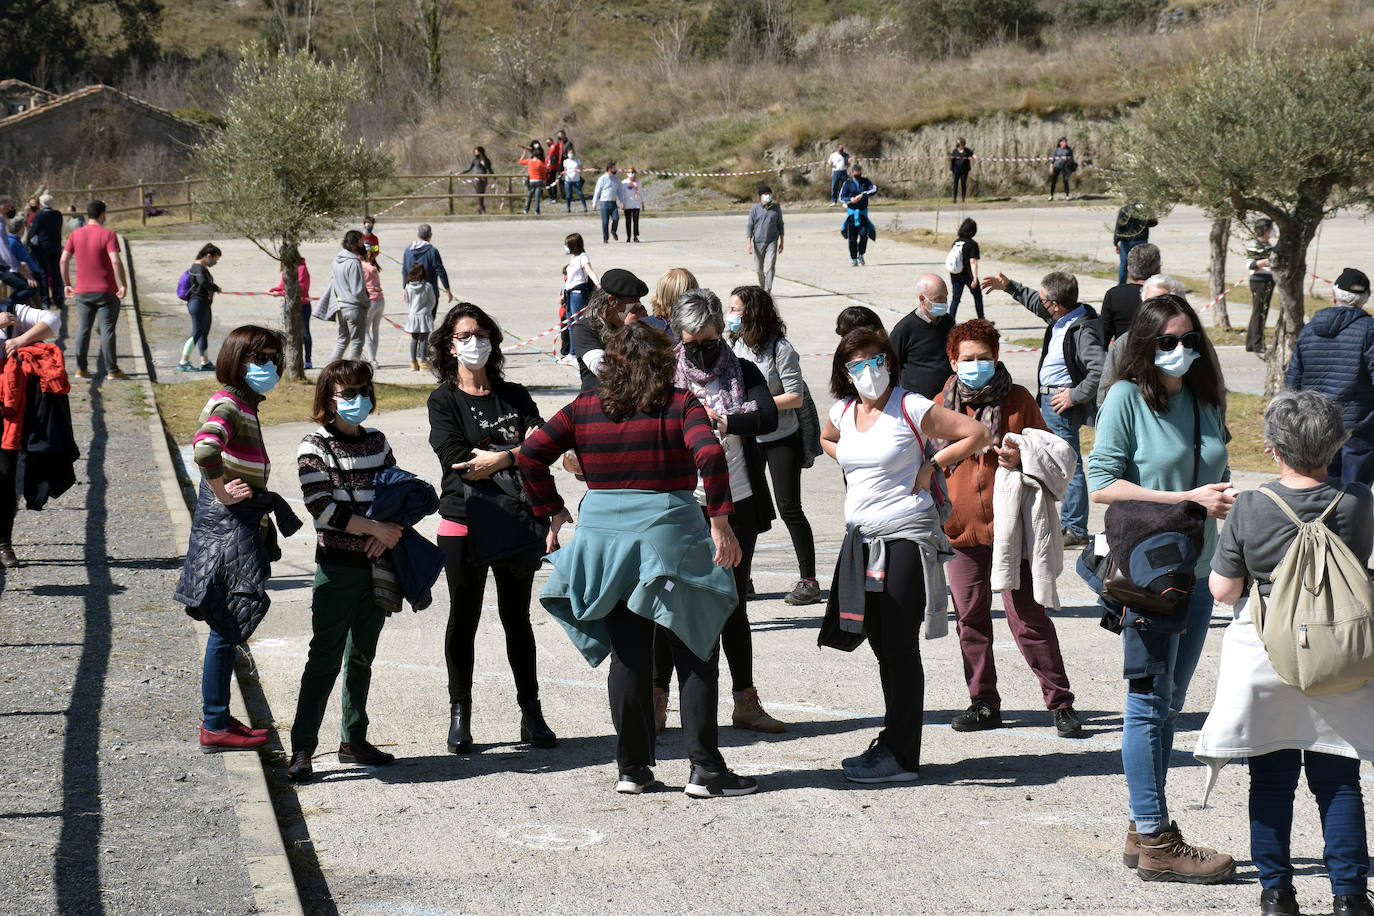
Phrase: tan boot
(424, 365)
(749, 713)
(414, 366)
(660, 710)
(1167, 857)
(1130, 857)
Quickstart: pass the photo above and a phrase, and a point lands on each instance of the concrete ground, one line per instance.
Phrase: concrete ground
(1007, 821)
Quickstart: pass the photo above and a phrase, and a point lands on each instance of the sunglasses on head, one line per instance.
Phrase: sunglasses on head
(1168, 342)
(855, 366)
(262, 359)
(348, 394)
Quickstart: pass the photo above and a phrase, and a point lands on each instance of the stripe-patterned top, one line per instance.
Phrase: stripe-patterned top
(665, 451)
(337, 472)
(229, 442)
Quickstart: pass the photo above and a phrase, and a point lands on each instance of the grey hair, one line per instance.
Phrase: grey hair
(16, 225)
(1061, 287)
(45, 199)
(1164, 283)
(594, 312)
(424, 232)
(695, 309)
(1304, 428)
(1346, 297)
(1142, 261)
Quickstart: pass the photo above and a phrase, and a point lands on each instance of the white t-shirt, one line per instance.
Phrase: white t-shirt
(577, 270)
(880, 464)
(838, 162)
(572, 168)
(709, 395)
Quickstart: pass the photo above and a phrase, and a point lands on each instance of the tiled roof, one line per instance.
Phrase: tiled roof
(7, 85)
(39, 111)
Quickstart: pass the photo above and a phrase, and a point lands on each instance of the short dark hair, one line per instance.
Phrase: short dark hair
(857, 316)
(352, 239)
(94, 209)
(370, 219)
(574, 242)
(441, 357)
(610, 165)
(417, 273)
(345, 373)
(1060, 287)
(241, 343)
(841, 384)
(764, 189)
(210, 249)
(1263, 224)
(761, 321)
(968, 229)
(1203, 377)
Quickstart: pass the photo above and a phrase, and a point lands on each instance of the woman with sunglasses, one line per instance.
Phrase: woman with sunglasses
(229, 451)
(477, 422)
(338, 464)
(891, 527)
(1160, 438)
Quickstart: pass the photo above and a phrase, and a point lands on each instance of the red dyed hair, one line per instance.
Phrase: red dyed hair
(977, 329)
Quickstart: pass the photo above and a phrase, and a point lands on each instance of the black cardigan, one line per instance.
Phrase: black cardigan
(453, 435)
(749, 426)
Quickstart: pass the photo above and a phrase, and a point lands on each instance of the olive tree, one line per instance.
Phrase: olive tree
(1287, 135)
(283, 169)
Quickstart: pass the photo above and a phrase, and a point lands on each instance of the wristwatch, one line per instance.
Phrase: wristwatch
(935, 464)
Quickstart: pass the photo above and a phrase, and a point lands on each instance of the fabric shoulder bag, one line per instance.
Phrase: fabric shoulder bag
(808, 420)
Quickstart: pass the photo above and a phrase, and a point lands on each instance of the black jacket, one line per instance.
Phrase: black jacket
(749, 426)
(922, 361)
(1118, 308)
(454, 433)
(49, 449)
(45, 232)
(228, 561)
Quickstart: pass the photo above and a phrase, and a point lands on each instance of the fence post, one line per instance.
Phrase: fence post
(510, 189)
(187, 179)
(142, 206)
(367, 205)
(450, 194)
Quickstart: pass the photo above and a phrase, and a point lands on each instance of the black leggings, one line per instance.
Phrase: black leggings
(466, 584)
(960, 181)
(9, 494)
(858, 241)
(631, 223)
(784, 459)
(1054, 178)
(892, 620)
(736, 640)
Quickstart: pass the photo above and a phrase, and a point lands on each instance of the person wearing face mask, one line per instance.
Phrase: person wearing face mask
(228, 450)
(579, 281)
(1071, 360)
(477, 422)
(920, 339)
(200, 295)
(983, 389)
(888, 578)
(338, 465)
(348, 288)
(1160, 438)
(765, 234)
(631, 201)
(857, 228)
(616, 302)
(741, 407)
(606, 198)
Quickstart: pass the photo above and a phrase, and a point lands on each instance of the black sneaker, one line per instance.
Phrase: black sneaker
(300, 769)
(1352, 905)
(718, 783)
(978, 717)
(364, 753)
(635, 781)
(1067, 724)
(1279, 901)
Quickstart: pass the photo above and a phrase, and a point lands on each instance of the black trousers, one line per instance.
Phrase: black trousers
(630, 686)
(784, 459)
(736, 638)
(467, 582)
(892, 620)
(960, 181)
(9, 492)
(631, 223)
(1055, 173)
(1261, 291)
(858, 241)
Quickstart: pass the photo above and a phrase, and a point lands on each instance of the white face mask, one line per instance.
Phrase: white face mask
(473, 352)
(567, 250)
(766, 198)
(871, 382)
(1175, 362)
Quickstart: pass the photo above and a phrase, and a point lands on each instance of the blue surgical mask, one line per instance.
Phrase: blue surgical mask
(1175, 362)
(976, 373)
(939, 309)
(733, 323)
(261, 379)
(766, 198)
(353, 411)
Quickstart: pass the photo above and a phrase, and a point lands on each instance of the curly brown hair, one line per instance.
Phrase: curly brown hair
(976, 329)
(637, 372)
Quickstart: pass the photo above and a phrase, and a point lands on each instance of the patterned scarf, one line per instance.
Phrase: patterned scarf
(726, 373)
(986, 401)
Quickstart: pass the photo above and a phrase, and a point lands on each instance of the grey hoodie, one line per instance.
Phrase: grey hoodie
(346, 278)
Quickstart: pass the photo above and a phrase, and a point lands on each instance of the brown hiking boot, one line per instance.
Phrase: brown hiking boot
(749, 713)
(660, 710)
(1166, 856)
(1130, 857)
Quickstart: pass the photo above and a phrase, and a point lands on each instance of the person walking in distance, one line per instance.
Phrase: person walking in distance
(1259, 257)
(1062, 165)
(857, 228)
(765, 235)
(44, 238)
(100, 284)
(839, 171)
(960, 164)
(966, 260)
(1132, 228)
(200, 297)
(606, 198)
(480, 166)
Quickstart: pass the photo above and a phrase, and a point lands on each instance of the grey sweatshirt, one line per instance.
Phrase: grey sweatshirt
(346, 278)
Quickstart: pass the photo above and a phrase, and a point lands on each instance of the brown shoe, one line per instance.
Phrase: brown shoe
(1166, 856)
(749, 713)
(414, 365)
(7, 558)
(1131, 856)
(82, 373)
(116, 374)
(660, 710)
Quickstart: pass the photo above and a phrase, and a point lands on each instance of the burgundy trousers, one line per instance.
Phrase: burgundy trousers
(970, 584)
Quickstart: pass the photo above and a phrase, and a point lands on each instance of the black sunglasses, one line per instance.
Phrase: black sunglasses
(348, 394)
(1168, 342)
(262, 359)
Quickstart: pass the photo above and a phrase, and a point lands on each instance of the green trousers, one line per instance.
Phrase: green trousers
(346, 623)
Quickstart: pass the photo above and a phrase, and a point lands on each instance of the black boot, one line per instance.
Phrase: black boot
(1352, 905)
(1279, 901)
(460, 728)
(533, 728)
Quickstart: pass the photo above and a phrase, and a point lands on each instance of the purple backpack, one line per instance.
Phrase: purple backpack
(184, 286)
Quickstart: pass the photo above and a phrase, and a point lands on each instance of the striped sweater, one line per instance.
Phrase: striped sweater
(337, 472)
(229, 442)
(666, 451)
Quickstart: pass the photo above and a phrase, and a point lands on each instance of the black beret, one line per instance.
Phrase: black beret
(623, 285)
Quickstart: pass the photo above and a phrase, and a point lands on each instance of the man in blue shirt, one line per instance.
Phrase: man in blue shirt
(858, 229)
(1071, 358)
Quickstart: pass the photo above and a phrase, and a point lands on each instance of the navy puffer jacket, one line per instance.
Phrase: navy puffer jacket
(1335, 355)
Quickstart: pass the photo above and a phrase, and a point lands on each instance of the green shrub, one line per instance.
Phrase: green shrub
(745, 30)
(947, 28)
(1108, 12)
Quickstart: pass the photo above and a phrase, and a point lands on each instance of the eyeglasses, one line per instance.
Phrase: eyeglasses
(262, 359)
(464, 338)
(1167, 342)
(348, 394)
(855, 366)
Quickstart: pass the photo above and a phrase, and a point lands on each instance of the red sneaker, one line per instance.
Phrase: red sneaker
(236, 726)
(228, 740)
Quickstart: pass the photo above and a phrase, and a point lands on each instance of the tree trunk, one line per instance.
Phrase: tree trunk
(1290, 271)
(1219, 237)
(291, 310)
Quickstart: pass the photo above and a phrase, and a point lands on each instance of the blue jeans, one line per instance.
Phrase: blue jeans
(837, 177)
(214, 682)
(957, 285)
(570, 185)
(1074, 515)
(610, 216)
(1335, 781)
(535, 195)
(1125, 247)
(1153, 703)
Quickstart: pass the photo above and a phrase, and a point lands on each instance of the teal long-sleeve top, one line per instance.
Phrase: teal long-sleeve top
(1155, 450)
